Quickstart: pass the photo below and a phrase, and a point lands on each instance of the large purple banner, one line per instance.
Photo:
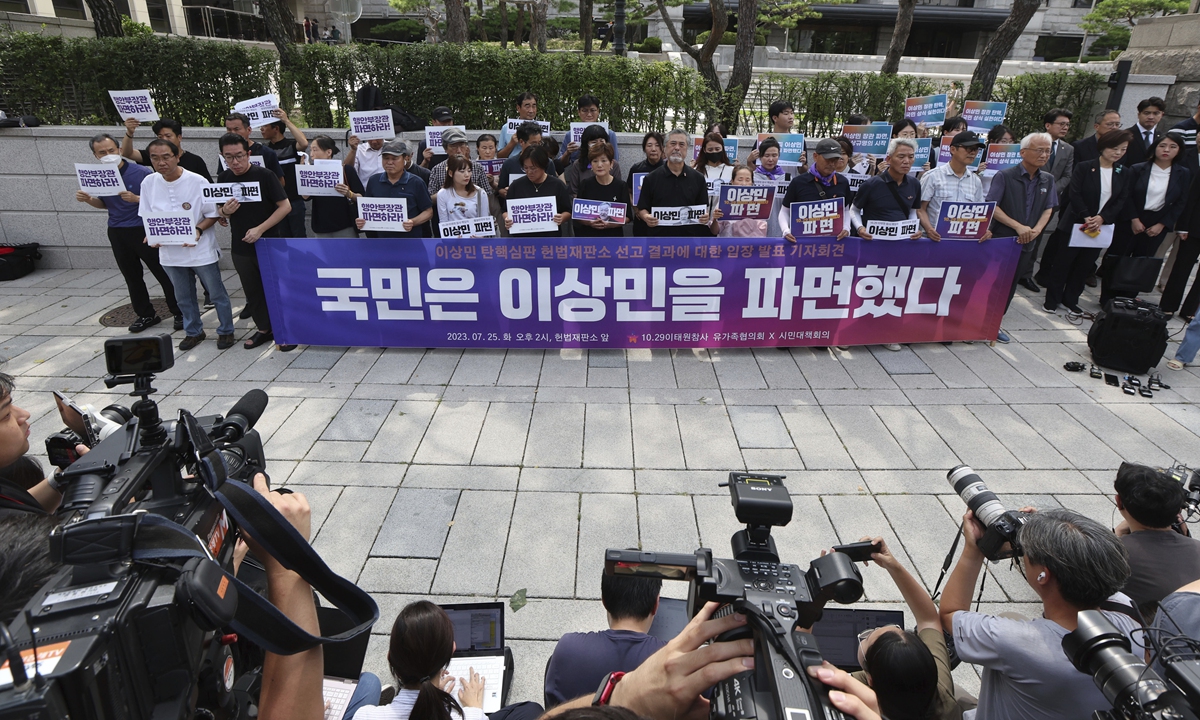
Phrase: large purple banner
(633, 292)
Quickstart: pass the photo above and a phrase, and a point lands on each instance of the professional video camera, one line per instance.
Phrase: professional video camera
(1190, 480)
(143, 621)
(1136, 692)
(1001, 525)
(776, 598)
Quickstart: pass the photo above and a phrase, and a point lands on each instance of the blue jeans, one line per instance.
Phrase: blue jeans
(1191, 342)
(185, 296)
(365, 694)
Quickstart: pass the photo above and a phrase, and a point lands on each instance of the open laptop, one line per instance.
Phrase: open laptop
(343, 662)
(479, 636)
(837, 632)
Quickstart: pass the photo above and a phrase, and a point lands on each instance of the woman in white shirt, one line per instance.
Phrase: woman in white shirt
(1157, 196)
(459, 199)
(421, 646)
(714, 163)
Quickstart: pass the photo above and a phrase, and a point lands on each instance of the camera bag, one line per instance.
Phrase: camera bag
(17, 261)
(1128, 335)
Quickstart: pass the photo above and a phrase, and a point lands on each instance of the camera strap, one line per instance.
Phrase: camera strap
(159, 538)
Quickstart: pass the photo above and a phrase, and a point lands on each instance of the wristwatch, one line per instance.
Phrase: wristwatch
(605, 691)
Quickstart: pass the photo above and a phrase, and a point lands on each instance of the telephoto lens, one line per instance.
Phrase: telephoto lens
(975, 494)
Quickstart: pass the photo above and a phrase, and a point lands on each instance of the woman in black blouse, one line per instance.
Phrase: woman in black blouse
(333, 217)
(602, 187)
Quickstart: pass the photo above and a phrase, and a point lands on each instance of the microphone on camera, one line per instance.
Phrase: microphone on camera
(244, 414)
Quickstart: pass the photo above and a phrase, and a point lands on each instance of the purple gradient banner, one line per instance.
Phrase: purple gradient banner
(633, 292)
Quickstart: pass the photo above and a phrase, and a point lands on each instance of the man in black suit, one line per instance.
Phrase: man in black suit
(1145, 131)
(1106, 121)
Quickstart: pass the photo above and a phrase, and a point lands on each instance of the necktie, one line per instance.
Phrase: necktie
(1147, 138)
(1053, 152)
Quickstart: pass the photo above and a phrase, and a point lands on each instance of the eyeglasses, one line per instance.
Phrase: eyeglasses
(1039, 151)
(1062, 123)
(235, 158)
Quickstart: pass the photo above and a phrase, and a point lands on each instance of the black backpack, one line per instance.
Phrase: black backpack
(17, 261)
(1128, 335)
(22, 121)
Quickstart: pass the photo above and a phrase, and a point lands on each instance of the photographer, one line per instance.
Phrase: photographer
(1160, 559)
(910, 673)
(1072, 563)
(14, 443)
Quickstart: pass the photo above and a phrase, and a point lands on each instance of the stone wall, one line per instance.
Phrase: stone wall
(1170, 46)
(38, 185)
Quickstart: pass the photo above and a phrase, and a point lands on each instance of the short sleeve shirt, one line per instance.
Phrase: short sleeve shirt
(409, 187)
(125, 214)
(1026, 674)
(252, 214)
(876, 201)
(663, 188)
(941, 185)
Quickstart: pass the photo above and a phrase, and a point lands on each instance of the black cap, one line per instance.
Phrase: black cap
(442, 114)
(966, 138)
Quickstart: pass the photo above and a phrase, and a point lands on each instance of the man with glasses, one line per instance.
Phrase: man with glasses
(1062, 161)
(1025, 199)
(952, 182)
(455, 143)
(1106, 121)
(249, 221)
(528, 134)
(239, 124)
(674, 185)
(589, 112)
(126, 235)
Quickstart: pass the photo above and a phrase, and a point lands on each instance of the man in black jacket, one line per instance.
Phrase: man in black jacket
(1145, 130)
(1106, 121)
(821, 182)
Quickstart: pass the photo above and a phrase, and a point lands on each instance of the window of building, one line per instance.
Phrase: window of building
(160, 20)
(1057, 47)
(69, 9)
(836, 39)
(14, 6)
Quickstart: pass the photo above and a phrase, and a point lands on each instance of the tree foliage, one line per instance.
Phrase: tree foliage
(1112, 14)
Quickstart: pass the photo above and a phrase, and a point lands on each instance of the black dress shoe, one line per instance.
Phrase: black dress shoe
(258, 338)
(1029, 284)
(178, 323)
(244, 314)
(1092, 281)
(286, 348)
(144, 322)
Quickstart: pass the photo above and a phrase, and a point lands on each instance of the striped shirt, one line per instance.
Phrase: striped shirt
(941, 185)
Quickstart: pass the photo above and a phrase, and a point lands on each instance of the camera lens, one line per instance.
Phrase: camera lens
(975, 494)
(1098, 648)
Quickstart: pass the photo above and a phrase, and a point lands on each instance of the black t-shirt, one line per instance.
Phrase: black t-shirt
(1160, 562)
(251, 214)
(524, 188)
(644, 166)
(329, 213)
(270, 159)
(614, 192)
(187, 160)
(806, 188)
(288, 156)
(663, 188)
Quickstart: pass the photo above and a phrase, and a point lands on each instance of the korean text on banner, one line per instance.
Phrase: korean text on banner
(169, 228)
(731, 148)
(927, 109)
(491, 167)
(383, 214)
(483, 227)
(1001, 156)
(922, 155)
(633, 292)
(819, 218)
(219, 193)
(318, 181)
(746, 202)
(136, 104)
(589, 210)
(791, 147)
(577, 129)
(532, 215)
(372, 125)
(964, 220)
(514, 123)
(682, 215)
(99, 180)
(898, 230)
(983, 115)
(869, 139)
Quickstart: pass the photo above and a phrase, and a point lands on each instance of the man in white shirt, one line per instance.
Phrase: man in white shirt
(367, 160)
(175, 190)
(951, 182)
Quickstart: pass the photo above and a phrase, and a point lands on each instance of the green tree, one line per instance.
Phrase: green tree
(1110, 15)
(431, 15)
(998, 48)
(105, 18)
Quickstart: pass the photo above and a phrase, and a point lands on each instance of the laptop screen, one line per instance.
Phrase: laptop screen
(837, 632)
(477, 626)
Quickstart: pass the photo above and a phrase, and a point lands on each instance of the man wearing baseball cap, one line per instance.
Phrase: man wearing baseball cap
(821, 182)
(442, 116)
(950, 182)
(395, 182)
(455, 143)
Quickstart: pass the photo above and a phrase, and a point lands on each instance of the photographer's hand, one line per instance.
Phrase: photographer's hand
(855, 698)
(923, 609)
(291, 684)
(957, 595)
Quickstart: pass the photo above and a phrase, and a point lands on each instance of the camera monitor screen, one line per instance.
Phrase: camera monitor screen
(837, 632)
(138, 355)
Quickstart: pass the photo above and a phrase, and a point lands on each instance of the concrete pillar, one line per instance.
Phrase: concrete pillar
(45, 8)
(177, 16)
(138, 11)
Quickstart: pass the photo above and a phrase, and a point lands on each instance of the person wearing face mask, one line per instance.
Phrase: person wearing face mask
(652, 146)
(713, 162)
(125, 235)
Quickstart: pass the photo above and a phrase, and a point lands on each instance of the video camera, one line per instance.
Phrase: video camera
(1190, 480)
(1002, 526)
(1136, 692)
(130, 627)
(776, 598)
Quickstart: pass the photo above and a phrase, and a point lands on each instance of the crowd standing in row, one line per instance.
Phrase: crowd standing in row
(1133, 182)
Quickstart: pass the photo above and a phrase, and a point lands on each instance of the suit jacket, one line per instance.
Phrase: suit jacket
(1138, 149)
(1085, 193)
(1177, 190)
(1086, 149)
(1064, 163)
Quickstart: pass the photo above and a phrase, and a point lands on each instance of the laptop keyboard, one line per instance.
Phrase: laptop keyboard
(337, 696)
(492, 670)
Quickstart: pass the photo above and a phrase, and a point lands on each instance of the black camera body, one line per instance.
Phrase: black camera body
(126, 633)
(1001, 527)
(1099, 649)
(1190, 480)
(1002, 532)
(775, 597)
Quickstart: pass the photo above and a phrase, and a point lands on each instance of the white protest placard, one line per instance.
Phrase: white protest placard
(532, 215)
(433, 137)
(372, 125)
(169, 228)
(387, 214)
(514, 123)
(260, 116)
(578, 128)
(260, 110)
(330, 163)
(99, 180)
(682, 215)
(318, 181)
(480, 227)
(714, 186)
(1082, 239)
(136, 104)
(220, 193)
(899, 230)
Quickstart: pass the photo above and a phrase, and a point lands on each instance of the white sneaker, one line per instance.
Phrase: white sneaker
(894, 347)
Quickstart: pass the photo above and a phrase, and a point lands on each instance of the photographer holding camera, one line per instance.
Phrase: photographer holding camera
(1073, 564)
(14, 443)
(1161, 559)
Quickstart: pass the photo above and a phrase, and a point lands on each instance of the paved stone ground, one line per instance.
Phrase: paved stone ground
(457, 475)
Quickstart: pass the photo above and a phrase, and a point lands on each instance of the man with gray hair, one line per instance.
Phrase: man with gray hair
(1072, 563)
(890, 196)
(674, 186)
(126, 235)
